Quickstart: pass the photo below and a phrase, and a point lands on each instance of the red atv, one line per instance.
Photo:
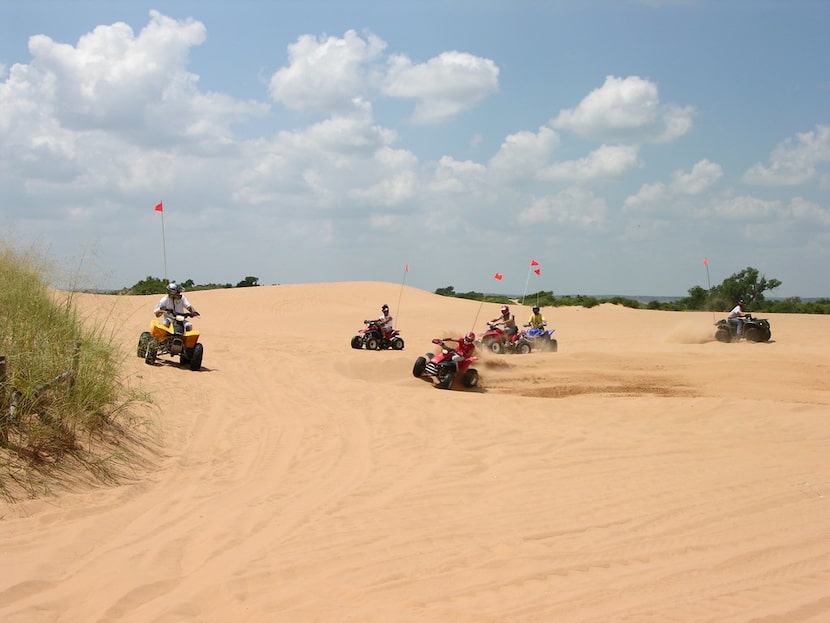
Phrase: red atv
(444, 369)
(495, 339)
(373, 338)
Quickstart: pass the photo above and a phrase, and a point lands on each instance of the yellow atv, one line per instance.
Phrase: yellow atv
(173, 340)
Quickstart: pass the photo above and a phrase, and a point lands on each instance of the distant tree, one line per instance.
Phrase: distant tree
(697, 298)
(448, 291)
(248, 282)
(149, 285)
(746, 284)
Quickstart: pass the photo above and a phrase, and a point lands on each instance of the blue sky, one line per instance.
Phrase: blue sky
(617, 143)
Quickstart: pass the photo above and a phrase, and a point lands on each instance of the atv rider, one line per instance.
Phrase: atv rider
(737, 315)
(174, 302)
(508, 320)
(386, 321)
(537, 320)
(466, 347)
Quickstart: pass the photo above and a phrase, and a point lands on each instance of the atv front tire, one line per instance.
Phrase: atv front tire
(419, 367)
(497, 347)
(143, 339)
(152, 351)
(357, 342)
(523, 348)
(373, 343)
(445, 380)
(753, 334)
(196, 357)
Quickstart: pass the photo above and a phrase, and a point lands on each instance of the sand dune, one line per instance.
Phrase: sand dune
(644, 472)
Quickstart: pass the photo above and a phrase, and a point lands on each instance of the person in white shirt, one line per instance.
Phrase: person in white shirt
(174, 302)
(737, 315)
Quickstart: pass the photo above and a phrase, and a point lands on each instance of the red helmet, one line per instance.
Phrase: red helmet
(470, 337)
(505, 310)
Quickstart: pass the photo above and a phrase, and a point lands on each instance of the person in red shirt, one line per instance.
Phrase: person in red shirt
(466, 347)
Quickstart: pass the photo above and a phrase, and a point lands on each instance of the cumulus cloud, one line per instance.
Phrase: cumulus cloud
(327, 73)
(77, 108)
(608, 161)
(702, 176)
(332, 73)
(626, 109)
(522, 155)
(663, 196)
(444, 86)
(795, 161)
(577, 207)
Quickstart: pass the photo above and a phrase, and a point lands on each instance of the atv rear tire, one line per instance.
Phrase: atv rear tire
(357, 341)
(152, 351)
(143, 339)
(553, 346)
(523, 348)
(470, 378)
(722, 335)
(397, 343)
(196, 357)
(419, 367)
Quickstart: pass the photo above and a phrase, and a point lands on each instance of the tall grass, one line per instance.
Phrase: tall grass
(62, 385)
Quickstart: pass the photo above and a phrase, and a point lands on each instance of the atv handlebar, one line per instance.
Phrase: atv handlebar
(183, 314)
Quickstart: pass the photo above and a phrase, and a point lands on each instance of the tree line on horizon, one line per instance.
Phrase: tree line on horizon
(156, 285)
(747, 284)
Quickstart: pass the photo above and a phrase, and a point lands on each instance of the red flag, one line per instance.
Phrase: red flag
(159, 207)
(406, 268)
(705, 262)
(498, 276)
(534, 263)
(538, 271)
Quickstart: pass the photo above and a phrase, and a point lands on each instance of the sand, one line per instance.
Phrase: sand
(644, 472)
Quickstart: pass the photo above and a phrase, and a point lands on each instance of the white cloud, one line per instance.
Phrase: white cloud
(793, 162)
(576, 207)
(626, 109)
(663, 197)
(607, 161)
(522, 155)
(327, 74)
(703, 174)
(744, 208)
(330, 74)
(799, 209)
(444, 86)
(453, 176)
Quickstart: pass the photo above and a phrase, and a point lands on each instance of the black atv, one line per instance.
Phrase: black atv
(755, 330)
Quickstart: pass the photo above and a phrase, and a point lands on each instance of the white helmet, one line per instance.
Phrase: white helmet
(174, 289)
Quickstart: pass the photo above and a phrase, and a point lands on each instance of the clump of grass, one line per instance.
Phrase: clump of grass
(62, 384)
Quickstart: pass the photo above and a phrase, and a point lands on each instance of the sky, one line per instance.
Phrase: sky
(432, 143)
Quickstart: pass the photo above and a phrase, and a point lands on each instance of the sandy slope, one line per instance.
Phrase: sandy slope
(643, 473)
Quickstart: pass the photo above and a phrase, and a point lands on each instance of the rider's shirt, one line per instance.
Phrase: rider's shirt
(178, 305)
(386, 323)
(536, 320)
(465, 349)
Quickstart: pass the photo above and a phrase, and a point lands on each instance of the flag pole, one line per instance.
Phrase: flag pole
(527, 281)
(160, 208)
(400, 294)
(708, 282)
